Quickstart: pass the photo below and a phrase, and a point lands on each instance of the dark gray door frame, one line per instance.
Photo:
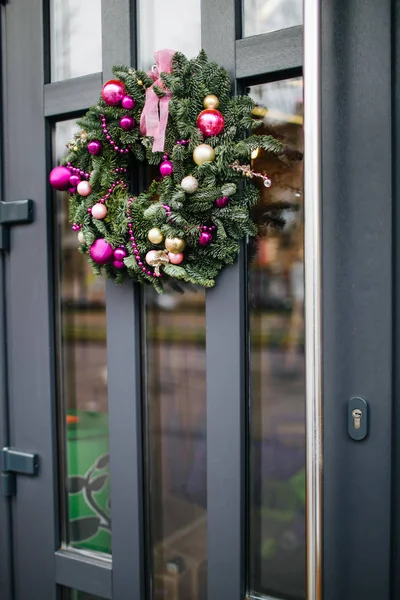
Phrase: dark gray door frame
(357, 294)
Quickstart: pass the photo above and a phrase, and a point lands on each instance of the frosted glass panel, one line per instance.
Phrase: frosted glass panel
(264, 16)
(174, 24)
(75, 38)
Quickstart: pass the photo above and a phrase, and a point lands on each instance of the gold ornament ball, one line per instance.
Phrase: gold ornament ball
(175, 245)
(140, 82)
(203, 153)
(75, 148)
(155, 235)
(211, 101)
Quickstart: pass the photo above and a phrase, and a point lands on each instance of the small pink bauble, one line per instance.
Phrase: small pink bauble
(127, 122)
(205, 238)
(59, 178)
(113, 91)
(74, 180)
(99, 211)
(101, 251)
(210, 122)
(151, 256)
(128, 102)
(118, 264)
(84, 188)
(175, 259)
(166, 168)
(222, 202)
(120, 254)
(94, 147)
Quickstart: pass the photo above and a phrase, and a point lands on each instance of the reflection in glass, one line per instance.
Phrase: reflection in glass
(263, 16)
(176, 403)
(81, 325)
(75, 33)
(68, 594)
(172, 24)
(277, 419)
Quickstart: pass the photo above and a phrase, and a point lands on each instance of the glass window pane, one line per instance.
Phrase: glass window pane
(82, 385)
(75, 32)
(277, 418)
(168, 25)
(176, 400)
(263, 16)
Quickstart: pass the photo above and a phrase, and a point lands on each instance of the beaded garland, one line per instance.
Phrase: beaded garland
(196, 205)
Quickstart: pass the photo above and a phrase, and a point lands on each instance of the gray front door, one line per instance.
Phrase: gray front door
(171, 431)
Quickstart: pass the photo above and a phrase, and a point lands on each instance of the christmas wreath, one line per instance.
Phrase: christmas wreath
(188, 224)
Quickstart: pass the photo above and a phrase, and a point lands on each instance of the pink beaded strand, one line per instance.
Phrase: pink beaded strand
(134, 245)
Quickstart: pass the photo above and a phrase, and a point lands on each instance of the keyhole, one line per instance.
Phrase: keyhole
(357, 414)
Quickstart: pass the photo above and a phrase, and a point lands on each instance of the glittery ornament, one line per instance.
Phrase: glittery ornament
(127, 102)
(210, 122)
(113, 91)
(59, 178)
(84, 188)
(166, 168)
(155, 235)
(205, 238)
(203, 153)
(175, 258)
(157, 258)
(94, 147)
(127, 122)
(211, 101)
(175, 245)
(101, 251)
(99, 211)
(189, 184)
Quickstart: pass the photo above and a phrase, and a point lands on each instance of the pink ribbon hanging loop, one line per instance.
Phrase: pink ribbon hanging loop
(154, 117)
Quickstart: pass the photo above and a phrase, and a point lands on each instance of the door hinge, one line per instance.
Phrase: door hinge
(15, 462)
(13, 213)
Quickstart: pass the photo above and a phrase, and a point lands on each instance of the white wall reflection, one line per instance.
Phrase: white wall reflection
(263, 16)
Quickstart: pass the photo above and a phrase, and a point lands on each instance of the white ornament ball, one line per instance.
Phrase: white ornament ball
(84, 188)
(81, 238)
(99, 211)
(203, 153)
(189, 184)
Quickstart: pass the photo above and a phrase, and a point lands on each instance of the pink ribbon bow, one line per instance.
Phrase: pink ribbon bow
(154, 117)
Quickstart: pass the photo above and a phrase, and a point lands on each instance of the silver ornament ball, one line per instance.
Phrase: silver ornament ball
(189, 184)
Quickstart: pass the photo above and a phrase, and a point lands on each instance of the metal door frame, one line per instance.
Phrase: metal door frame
(357, 356)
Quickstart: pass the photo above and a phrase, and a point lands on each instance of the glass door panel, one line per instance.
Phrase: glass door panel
(277, 373)
(82, 382)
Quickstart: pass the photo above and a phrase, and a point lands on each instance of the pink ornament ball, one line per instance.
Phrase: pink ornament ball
(205, 238)
(118, 264)
(101, 251)
(112, 92)
(210, 122)
(222, 202)
(128, 102)
(99, 211)
(127, 122)
(166, 168)
(74, 180)
(94, 147)
(59, 178)
(72, 190)
(84, 188)
(175, 259)
(120, 254)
